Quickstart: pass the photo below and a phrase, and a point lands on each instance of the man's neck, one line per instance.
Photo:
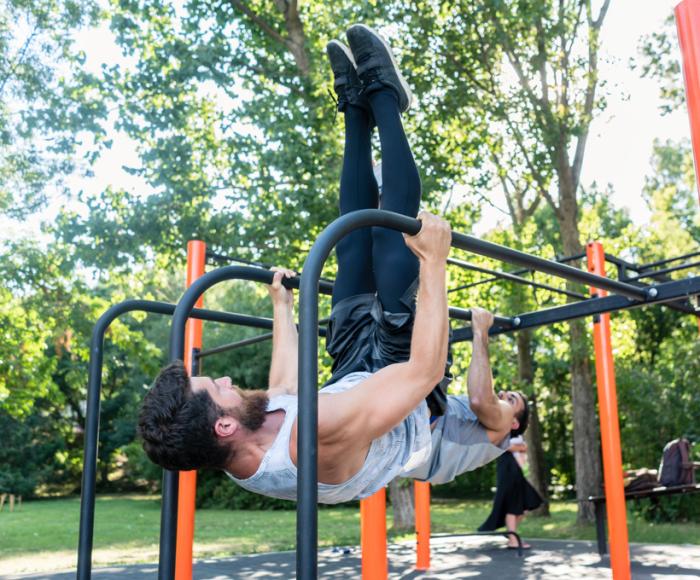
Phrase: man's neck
(252, 446)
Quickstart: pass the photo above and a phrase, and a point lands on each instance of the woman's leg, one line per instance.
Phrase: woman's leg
(358, 190)
(395, 266)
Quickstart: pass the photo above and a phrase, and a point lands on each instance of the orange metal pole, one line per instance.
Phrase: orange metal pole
(609, 428)
(688, 23)
(375, 565)
(196, 260)
(421, 490)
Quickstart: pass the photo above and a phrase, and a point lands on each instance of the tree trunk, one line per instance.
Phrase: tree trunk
(401, 497)
(533, 434)
(583, 399)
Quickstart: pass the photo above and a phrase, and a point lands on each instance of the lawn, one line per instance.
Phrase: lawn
(43, 535)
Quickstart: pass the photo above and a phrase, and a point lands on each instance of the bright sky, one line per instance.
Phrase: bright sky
(619, 147)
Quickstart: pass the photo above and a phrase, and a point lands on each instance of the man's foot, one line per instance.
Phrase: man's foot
(376, 65)
(345, 80)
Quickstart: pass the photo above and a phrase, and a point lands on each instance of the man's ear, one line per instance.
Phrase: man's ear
(515, 424)
(225, 426)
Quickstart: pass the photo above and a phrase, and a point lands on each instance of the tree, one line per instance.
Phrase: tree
(43, 109)
(529, 72)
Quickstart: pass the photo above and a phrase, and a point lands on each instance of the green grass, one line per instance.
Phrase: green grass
(43, 535)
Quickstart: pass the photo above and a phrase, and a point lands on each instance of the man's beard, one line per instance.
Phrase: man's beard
(253, 409)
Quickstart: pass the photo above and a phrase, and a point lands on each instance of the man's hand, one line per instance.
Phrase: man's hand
(482, 320)
(280, 295)
(432, 242)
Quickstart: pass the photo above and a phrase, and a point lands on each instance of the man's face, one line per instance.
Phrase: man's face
(247, 407)
(221, 390)
(515, 400)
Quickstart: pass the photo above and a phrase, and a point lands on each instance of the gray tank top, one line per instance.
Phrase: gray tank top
(405, 447)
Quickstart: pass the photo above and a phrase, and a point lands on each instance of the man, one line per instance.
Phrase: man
(389, 345)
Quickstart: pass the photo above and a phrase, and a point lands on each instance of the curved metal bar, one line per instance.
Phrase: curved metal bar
(92, 414)
(307, 425)
(168, 526)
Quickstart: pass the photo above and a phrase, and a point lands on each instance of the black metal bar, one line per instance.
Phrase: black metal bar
(248, 341)
(233, 345)
(466, 315)
(221, 258)
(668, 260)
(92, 414)
(512, 256)
(513, 278)
(665, 292)
(166, 565)
(663, 271)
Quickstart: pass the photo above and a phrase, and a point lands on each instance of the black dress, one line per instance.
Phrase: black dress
(514, 494)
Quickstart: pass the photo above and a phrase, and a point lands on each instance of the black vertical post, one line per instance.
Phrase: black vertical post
(307, 426)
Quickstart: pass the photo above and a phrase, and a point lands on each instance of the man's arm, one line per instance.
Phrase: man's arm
(285, 341)
(383, 400)
(495, 415)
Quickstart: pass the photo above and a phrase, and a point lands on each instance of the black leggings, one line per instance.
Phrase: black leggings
(377, 260)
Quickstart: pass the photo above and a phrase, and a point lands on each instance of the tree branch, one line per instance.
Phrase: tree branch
(261, 22)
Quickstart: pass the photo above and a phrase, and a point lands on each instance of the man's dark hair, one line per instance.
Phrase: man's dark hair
(177, 425)
(523, 417)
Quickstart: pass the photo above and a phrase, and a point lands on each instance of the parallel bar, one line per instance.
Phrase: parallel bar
(247, 342)
(667, 261)
(512, 277)
(663, 271)
(666, 292)
(512, 256)
(92, 414)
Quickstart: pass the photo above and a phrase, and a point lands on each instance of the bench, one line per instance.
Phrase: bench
(653, 493)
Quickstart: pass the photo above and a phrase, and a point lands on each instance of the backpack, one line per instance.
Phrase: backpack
(676, 466)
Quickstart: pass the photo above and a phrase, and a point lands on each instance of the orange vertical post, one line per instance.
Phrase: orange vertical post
(688, 24)
(421, 490)
(375, 565)
(196, 260)
(609, 428)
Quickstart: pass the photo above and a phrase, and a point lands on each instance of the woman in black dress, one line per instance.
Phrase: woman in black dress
(514, 494)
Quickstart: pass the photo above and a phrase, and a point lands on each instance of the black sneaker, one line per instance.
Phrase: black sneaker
(345, 81)
(376, 65)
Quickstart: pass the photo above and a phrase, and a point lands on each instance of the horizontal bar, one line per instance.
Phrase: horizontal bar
(668, 260)
(221, 258)
(492, 250)
(663, 271)
(512, 277)
(666, 292)
(466, 315)
(248, 341)
(233, 345)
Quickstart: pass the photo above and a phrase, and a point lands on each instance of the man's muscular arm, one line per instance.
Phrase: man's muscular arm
(383, 400)
(285, 340)
(495, 415)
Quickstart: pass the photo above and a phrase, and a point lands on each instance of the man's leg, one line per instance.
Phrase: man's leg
(358, 190)
(395, 266)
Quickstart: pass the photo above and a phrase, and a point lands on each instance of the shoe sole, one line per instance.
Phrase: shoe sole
(402, 80)
(345, 49)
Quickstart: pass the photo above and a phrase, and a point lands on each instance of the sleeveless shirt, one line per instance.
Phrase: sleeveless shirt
(403, 448)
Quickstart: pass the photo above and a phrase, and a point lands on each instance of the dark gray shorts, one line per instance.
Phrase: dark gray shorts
(362, 336)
